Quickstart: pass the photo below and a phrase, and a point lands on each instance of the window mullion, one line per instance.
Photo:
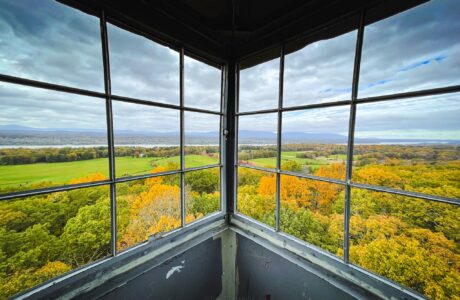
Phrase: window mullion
(351, 134)
(278, 142)
(182, 138)
(110, 138)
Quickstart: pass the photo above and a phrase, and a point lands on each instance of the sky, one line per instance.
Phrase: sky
(47, 41)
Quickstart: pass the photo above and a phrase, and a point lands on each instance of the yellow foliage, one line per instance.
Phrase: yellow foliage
(89, 178)
(52, 269)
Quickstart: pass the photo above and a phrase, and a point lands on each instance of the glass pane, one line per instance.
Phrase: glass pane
(320, 72)
(49, 41)
(257, 140)
(147, 207)
(256, 195)
(44, 236)
(313, 211)
(411, 241)
(146, 139)
(411, 144)
(430, 37)
(259, 86)
(202, 193)
(202, 133)
(201, 85)
(141, 68)
(50, 138)
(314, 141)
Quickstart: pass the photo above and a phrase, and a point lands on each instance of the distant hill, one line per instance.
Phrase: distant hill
(21, 135)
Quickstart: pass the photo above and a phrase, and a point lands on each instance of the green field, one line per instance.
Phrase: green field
(286, 156)
(63, 172)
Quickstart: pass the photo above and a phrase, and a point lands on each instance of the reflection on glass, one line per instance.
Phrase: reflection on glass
(202, 193)
(430, 37)
(202, 85)
(410, 144)
(141, 68)
(146, 139)
(320, 72)
(47, 235)
(147, 207)
(49, 138)
(259, 86)
(256, 195)
(257, 140)
(313, 211)
(314, 141)
(201, 139)
(411, 241)
(49, 41)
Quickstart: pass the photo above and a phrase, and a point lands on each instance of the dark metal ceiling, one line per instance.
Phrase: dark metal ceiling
(233, 29)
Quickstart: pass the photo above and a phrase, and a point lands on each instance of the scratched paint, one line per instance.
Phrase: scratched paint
(175, 269)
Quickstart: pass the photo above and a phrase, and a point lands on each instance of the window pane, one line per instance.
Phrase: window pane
(202, 132)
(256, 195)
(313, 211)
(410, 144)
(201, 85)
(411, 241)
(48, 41)
(44, 236)
(141, 68)
(259, 86)
(314, 141)
(320, 72)
(49, 138)
(430, 37)
(146, 139)
(202, 193)
(147, 207)
(257, 140)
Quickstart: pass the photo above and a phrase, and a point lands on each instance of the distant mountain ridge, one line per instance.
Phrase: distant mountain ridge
(245, 136)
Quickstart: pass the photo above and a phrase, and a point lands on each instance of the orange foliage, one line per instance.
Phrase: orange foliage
(335, 170)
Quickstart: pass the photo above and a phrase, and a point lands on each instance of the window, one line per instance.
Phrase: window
(257, 139)
(202, 85)
(140, 68)
(45, 40)
(256, 195)
(392, 161)
(70, 161)
(146, 139)
(259, 84)
(430, 37)
(314, 141)
(202, 139)
(320, 72)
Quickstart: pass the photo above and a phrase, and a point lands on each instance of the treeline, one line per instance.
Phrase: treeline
(404, 154)
(19, 156)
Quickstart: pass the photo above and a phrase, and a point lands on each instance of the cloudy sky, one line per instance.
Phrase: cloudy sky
(44, 40)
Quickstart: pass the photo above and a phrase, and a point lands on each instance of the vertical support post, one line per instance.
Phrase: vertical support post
(278, 140)
(110, 139)
(231, 94)
(182, 138)
(222, 137)
(351, 135)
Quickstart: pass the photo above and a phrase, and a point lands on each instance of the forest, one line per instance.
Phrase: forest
(412, 241)
(44, 236)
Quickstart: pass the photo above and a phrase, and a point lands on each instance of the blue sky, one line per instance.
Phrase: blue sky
(418, 49)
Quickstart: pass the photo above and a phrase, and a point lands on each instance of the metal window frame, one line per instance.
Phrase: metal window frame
(348, 184)
(108, 98)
